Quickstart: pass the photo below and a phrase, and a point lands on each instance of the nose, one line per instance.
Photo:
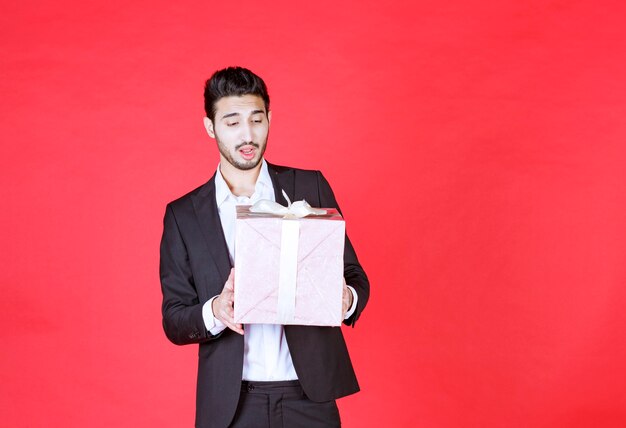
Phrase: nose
(246, 133)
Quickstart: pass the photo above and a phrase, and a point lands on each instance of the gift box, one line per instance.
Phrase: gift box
(289, 270)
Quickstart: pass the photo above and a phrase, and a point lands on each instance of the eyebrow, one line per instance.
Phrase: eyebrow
(237, 114)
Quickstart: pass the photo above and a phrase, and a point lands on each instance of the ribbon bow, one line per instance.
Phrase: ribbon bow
(298, 209)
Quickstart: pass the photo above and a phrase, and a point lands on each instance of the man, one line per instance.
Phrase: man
(249, 375)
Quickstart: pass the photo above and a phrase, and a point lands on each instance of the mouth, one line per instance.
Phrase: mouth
(248, 152)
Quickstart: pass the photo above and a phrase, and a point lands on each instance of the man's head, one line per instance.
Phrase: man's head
(237, 108)
(233, 82)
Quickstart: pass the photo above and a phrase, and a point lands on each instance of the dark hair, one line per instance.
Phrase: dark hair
(233, 81)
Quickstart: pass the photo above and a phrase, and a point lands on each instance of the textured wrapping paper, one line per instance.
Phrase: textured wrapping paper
(288, 271)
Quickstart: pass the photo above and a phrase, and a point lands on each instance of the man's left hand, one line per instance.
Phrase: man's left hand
(347, 299)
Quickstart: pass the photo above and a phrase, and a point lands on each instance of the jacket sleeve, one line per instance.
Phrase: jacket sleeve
(352, 271)
(181, 309)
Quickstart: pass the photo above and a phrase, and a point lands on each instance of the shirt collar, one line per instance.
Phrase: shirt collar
(222, 191)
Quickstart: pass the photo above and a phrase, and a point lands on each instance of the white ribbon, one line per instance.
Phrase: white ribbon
(288, 273)
(298, 209)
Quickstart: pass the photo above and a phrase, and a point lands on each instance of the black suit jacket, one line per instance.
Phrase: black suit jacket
(194, 267)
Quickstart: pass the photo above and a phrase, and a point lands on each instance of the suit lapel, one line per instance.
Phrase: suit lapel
(208, 216)
(282, 179)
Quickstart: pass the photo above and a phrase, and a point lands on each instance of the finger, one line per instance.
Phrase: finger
(227, 302)
(228, 315)
(228, 299)
(227, 321)
(234, 327)
(230, 282)
(237, 328)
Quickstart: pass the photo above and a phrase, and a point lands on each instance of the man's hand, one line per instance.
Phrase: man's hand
(223, 305)
(347, 299)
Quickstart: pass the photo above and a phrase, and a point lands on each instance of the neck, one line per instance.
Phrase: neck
(240, 183)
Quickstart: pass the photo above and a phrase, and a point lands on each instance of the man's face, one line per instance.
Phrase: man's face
(240, 127)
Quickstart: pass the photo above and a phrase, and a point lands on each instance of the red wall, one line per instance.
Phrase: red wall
(477, 149)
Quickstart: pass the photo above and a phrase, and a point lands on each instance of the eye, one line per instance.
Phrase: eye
(258, 120)
(231, 123)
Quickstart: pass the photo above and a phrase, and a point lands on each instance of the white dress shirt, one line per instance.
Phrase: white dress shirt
(266, 354)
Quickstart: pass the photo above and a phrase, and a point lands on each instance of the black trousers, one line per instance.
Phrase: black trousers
(282, 405)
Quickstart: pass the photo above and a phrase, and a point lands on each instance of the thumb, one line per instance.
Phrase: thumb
(230, 282)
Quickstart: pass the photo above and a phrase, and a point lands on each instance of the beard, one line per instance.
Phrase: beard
(243, 165)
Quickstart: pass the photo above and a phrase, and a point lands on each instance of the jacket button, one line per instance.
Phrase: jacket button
(250, 388)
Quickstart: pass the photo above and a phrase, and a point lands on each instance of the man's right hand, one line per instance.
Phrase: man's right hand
(223, 305)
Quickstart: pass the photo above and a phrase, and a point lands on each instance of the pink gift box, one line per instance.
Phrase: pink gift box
(279, 281)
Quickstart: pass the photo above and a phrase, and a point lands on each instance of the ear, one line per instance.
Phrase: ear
(208, 125)
(269, 116)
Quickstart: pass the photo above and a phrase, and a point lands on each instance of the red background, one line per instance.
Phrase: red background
(477, 150)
